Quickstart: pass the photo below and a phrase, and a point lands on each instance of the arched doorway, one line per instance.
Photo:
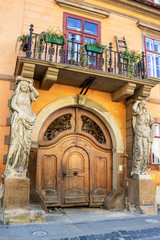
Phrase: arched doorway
(74, 162)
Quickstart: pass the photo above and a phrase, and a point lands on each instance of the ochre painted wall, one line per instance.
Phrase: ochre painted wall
(17, 17)
(157, 176)
(59, 91)
(11, 19)
(5, 94)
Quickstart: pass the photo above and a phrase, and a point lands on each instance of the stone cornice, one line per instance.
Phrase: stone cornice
(7, 77)
(84, 7)
(151, 26)
(150, 81)
(134, 6)
(149, 2)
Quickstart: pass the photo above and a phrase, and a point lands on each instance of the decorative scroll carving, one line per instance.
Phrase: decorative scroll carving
(59, 125)
(92, 128)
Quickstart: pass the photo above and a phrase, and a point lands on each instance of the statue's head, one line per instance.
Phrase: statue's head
(24, 86)
(143, 104)
(23, 83)
(24, 79)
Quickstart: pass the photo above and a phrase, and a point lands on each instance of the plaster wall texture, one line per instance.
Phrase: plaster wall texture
(59, 91)
(17, 17)
(11, 19)
(5, 94)
(124, 10)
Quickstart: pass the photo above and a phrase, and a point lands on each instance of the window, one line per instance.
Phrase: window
(153, 57)
(83, 27)
(157, 1)
(85, 30)
(155, 153)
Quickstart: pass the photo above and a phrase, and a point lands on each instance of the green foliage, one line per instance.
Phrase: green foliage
(22, 40)
(132, 58)
(96, 44)
(83, 57)
(50, 33)
(22, 37)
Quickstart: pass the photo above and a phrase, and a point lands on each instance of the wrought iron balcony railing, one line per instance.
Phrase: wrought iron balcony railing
(72, 53)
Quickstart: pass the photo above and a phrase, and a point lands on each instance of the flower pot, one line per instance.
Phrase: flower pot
(93, 49)
(53, 40)
(24, 45)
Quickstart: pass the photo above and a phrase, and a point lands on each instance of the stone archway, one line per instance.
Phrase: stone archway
(97, 109)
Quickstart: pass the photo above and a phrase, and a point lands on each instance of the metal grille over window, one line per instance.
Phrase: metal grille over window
(92, 128)
(59, 125)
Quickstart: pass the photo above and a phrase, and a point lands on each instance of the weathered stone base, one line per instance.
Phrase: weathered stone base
(148, 210)
(16, 193)
(114, 200)
(34, 215)
(140, 195)
(16, 208)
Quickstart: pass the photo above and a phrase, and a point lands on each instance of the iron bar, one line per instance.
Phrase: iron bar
(110, 69)
(29, 53)
(73, 53)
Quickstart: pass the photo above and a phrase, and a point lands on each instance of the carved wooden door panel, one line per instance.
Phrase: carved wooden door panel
(75, 176)
(74, 159)
(49, 178)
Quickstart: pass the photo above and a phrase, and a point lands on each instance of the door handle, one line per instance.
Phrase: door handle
(75, 173)
(64, 174)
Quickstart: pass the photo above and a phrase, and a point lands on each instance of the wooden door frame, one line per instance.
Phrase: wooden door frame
(97, 109)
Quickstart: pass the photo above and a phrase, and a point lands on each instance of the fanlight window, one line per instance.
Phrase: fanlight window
(92, 128)
(59, 125)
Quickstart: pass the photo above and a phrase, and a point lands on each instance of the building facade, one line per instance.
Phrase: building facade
(83, 137)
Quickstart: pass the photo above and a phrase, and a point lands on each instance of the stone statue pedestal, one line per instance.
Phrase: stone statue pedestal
(16, 208)
(140, 194)
(16, 200)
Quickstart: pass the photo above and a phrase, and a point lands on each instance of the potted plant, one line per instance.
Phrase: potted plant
(131, 58)
(23, 41)
(53, 36)
(96, 47)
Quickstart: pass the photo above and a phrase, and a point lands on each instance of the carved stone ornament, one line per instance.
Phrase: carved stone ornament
(144, 134)
(92, 128)
(81, 99)
(59, 125)
(22, 123)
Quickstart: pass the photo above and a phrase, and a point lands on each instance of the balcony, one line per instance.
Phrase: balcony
(70, 64)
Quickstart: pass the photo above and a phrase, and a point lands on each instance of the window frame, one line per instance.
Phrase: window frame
(81, 33)
(150, 51)
(156, 2)
(151, 163)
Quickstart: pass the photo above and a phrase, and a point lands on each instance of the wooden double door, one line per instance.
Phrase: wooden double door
(74, 166)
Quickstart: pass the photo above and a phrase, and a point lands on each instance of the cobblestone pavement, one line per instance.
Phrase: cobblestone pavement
(149, 233)
(86, 224)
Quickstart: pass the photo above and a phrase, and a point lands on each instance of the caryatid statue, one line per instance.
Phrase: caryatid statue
(144, 134)
(22, 123)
